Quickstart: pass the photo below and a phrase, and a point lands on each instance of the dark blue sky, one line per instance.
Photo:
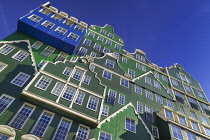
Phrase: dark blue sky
(169, 31)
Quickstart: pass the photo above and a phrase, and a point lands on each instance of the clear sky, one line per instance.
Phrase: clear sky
(169, 31)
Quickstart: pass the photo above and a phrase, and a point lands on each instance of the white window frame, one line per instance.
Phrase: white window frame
(48, 50)
(47, 24)
(81, 125)
(149, 94)
(28, 76)
(35, 18)
(91, 34)
(191, 122)
(100, 39)
(73, 36)
(12, 99)
(105, 135)
(123, 82)
(59, 90)
(106, 75)
(170, 103)
(87, 42)
(134, 124)
(110, 63)
(37, 45)
(3, 66)
(103, 110)
(121, 99)
(5, 51)
(97, 47)
(138, 107)
(86, 80)
(148, 80)
(81, 98)
(61, 30)
(50, 80)
(139, 91)
(178, 116)
(89, 100)
(159, 99)
(79, 28)
(17, 56)
(172, 115)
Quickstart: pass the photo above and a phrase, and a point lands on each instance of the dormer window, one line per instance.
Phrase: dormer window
(45, 11)
(68, 23)
(56, 17)
(78, 28)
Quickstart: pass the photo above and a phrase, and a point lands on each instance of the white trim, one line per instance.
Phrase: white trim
(105, 133)
(23, 82)
(130, 120)
(89, 101)
(119, 99)
(40, 80)
(5, 65)
(9, 103)
(13, 57)
(82, 126)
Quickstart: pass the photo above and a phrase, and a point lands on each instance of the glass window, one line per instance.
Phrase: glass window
(6, 49)
(68, 23)
(176, 132)
(169, 114)
(22, 116)
(110, 63)
(56, 17)
(106, 50)
(92, 103)
(149, 94)
(37, 44)
(155, 132)
(111, 97)
(169, 103)
(41, 64)
(149, 113)
(207, 131)
(93, 54)
(62, 129)
(195, 126)
(78, 28)
(138, 57)
(187, 88)
(61, 57)
(77, 74)
(174, 82)
(100, 39)
(105, 110)
(142, 58)
(130, 125)
(138, 66)
(20, 56)
(109, 43)
(79, 98)
(131, 72)
(110, 35)
(61, 30)
(156, 75)
(179, 97)
(57, 88)
(105, 136)
(42, 124)
(138, 89)
(47, 51)
(67, 71)
(178, 76)
(73, 36)
(43, 83)
(91, 34)
(121, 99)
(82, 51)
(190, 136)
(103, 32)
(117, 47)
(48, 24)
(45, 11)
(20, 79)
(97, 47)
(91, 67)
(107, 75)
(148, 81)
(193, 115)
(200, 94)
(5, 102)
(35, 18)
(159, 99)
(4, 137)
(157, 84)
(193, 103)
(86, 80)
(139, 107)
(82, 133)
(116, 54)
(204, 120)
(2, 66)
(182, 120)
(87, 42)
(124, 82)
(69, 93)
(164, 78)
(124, 59)
(182, 110)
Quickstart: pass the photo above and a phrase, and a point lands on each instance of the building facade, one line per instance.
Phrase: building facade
(62, 79)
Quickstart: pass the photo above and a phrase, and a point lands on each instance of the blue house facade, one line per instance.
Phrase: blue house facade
(54, 28)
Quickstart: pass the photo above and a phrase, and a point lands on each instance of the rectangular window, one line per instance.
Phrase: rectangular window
(182, 120)
(149, 113)
(193, 115)
(20, 56)
(57, 88)
(174, 82)
(82, 51)
(103, 32)
(156, 75)
(43, 83)
(48, 24)
(92, 103)
(79, 98)
(69, 93)
(61, 57)
(6, 49)
(47, 51)
(176, 132)
(149, 94)
(116, 54)
(130, 125)
(87, 42)
(5, 102)
(157, 84)
(37, 44)
(181, 109)
(35, 18)
(22, 116)
(195, 126)
(41, 64)
(73, 36)
(45, 11)
(178, 76)
(107, 75)
(110, 35)
(138, 89)
(61, 30)
(169, 103)
(105, 136)
(138, 66)
(86, 80)
(165, 78)
(82, 133)
(204, 120)
(131, 72)
(193, 103)
(106, 50)
(68, 23)
(124, 82)
(2, 66)
(179, 97)
(20, 79)
(117, 47)
(93, 54)
(91, 67)
(206, 109)
(155, 132)
(169, 114)
(142, 58)
(100, 39)
(138, 57)
(187, 88)
(67, 71)
(42, 124)
(62, 129)
(105, 110)
(110, 63)
(4, 137)
(169, 90)
(77, 75)
(200, 94)
(124, 59)
(121, 99)
(207, 131)
(78, 28)
(148, 81)
(190, 136)
(56, 17)
(91, 34)
(111, 97)
(159, 99)
(73, 59)
(139, 107)
(108, 43)
(97, 47)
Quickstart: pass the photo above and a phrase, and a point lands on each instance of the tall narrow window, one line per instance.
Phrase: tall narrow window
(79, 98)
(6, 49)
(48, 24)
(131, 72)
(174, 82)
(169, 103)
(82, 133)
(207, 131)
(43, 83)
(42, 124)
(148, 81)
(62, 129)
(91, 34)
(169, 114)
(69, 93)
(124, 59)
(159, 99)
(57, 88)
(190, 136)
(20, 56)
(111, 97)
(110, 35)
(121, 99)
(138, 66)
(5, 102)
(36, 45)
(179, 97)
(182, 110)
(195, 126)
(157, 84)
(35, 18)
(156, 75)
(193, 115)
(149, 113)
(130, 125)
(105, 110)
(47, 51)
(20, 79)
(138, 89)
(106, 50)
(82, 51)
(139, 107)
(108, 43)
(204, 120)
(182, 120)
(164, 78)
(149, 94)
(155, 132)
(22, 116)
(78, 74)
(193, 103)
(61, 30)
(100, 39)
(92, 103)
(86, 80)
(103, 32)
(117, 47)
